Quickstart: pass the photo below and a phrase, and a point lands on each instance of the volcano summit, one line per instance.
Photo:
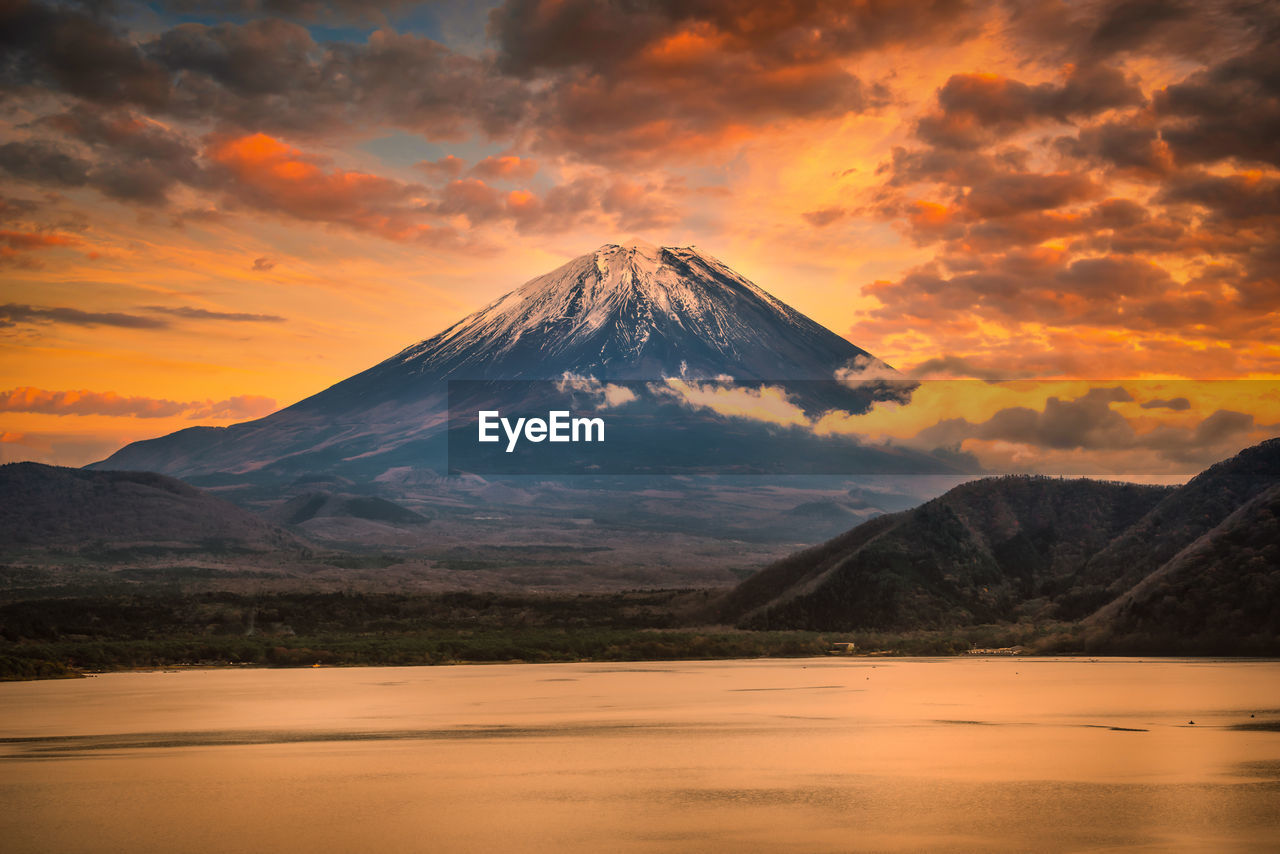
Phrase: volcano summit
(633, 312)
(623, 312)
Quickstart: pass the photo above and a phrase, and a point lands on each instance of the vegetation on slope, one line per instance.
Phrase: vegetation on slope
(998, 549)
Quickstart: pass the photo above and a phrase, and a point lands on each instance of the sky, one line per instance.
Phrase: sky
(209, 211)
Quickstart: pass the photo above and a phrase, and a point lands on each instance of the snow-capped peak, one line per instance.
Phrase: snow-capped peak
(641, 257)
(629, 311)
(634, 310)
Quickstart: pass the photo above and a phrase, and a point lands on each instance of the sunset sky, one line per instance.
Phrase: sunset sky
(212, 210)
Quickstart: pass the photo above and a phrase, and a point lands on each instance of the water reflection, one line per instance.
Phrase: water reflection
(804, 756)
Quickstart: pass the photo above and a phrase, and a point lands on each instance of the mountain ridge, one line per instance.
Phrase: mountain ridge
(970, 555)
(53, 506)
(1117, 556)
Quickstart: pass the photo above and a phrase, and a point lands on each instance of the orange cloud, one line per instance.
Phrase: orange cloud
(14, 245)
(269, 175)
(36, 240)
(976, 109)
(684, 47)
(930, 218)
(508, 168)
(823, 217)
(445, 168)
(29, 399)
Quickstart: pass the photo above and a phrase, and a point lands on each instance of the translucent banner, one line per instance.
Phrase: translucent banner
(672, 426)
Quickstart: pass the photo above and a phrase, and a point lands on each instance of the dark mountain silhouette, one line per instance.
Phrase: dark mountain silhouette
(1189, 563)
(50, 506)
(1221, 594)
(989, 550)
(1184, 516)
(320, 505)
(345, 519)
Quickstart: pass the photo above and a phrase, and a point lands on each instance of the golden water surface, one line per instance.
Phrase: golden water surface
(811, 755)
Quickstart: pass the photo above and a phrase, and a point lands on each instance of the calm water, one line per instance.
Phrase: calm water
(813, 755)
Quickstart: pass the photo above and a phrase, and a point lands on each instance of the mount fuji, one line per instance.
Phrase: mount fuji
(631, 312)
(624, 312)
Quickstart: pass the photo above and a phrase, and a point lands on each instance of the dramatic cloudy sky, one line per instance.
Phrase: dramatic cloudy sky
(210, 210)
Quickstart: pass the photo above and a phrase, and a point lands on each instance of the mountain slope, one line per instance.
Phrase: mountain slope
(989, 550)
(347, 519)
(633, 312)
(1219, 595)
(322, 505)
(1185, 515)
(1195, 568)
(49, 506)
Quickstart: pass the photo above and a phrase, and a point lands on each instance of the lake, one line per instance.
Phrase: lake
(801, 755)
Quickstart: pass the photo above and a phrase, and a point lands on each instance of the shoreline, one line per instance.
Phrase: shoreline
(878, 656)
